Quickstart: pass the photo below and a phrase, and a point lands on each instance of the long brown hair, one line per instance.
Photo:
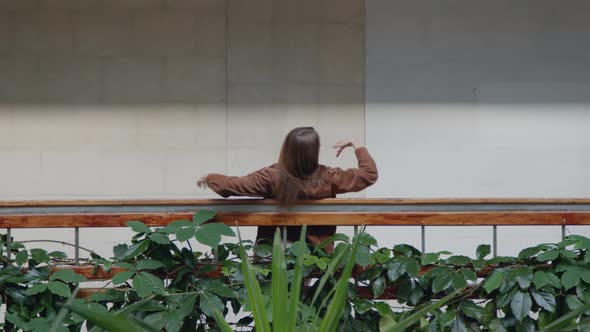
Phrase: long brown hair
(297, 162)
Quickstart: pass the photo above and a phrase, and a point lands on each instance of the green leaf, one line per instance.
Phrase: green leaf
(503, 300)
(160, 238)
(540, 279)
(208, 237)
(120, 250)
(122, 277)
(430, 258)
(526, 325)
(21, 257)
(412, 267)
(217, 287)
(58, 254)
(299, 248)
(459, 281)
(529, 252)
(469, 274)
(459, 325)
(67, 276)
(416, 294)
(553, 280)
(296, 280)
(38, 288)
(378, 287)
(521, 305)
(220, 228)
(255, 298)
(395, 269)
(441, 283)
(362, 305)
(573, 302)
(382, 308)
(544, 300)
(387, 323)
(40, 255)
(586, 276)
(173, 322)
(548, 255)
(145, 284)
(363, 255)
(186, 306)
(139, 227)
(366, 239)
(185, 234)
(570, 278)
(568, 253)
(482, 251)
(59, 288)
(458, 260)
(148, 264)
(202, 216)
(175, 226)
(109, 322)
(493, 282)
(524, 276)
(472, 310)
(223, 325)
(335, 310)
(137, 249)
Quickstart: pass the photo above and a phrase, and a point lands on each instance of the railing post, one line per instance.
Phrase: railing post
(563, 232)
(284, 237)
(495, 241)
(77, 245)
(423, 238)
(8, 240)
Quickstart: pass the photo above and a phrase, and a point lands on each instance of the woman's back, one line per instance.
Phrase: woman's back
(325, 182)
(298, 176)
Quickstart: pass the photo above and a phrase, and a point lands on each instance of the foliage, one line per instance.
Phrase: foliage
(166, 285)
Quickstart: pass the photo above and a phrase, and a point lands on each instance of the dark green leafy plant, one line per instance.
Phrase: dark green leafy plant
(166, 285)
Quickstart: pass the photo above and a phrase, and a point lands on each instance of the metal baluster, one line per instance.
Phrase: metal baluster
(495, 241)
(284, 237)
(356, 230)
(8, 240)
(77, 245)
(563, 232)
(423, 238)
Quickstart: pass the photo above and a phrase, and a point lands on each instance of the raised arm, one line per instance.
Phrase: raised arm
(354, 179)
(256, 184)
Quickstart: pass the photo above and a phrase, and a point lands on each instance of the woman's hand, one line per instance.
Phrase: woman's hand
(202, 182)
(343, 144)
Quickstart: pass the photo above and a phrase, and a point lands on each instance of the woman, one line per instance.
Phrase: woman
(298, 175)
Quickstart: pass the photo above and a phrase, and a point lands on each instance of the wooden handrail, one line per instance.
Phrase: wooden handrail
(344, 212)
(304, 218)
(254, 201)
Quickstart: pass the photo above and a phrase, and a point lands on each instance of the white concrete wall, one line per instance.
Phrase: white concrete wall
(478, 99)
(139, 98)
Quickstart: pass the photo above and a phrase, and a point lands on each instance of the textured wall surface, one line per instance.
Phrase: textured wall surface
(478, 99)
(139, 98)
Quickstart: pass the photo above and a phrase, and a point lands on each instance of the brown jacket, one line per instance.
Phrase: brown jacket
(326, 182)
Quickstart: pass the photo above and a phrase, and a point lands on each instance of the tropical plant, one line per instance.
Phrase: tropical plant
(163, 284)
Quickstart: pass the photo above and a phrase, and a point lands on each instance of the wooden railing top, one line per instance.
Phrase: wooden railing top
(256, 212)
(328, 201)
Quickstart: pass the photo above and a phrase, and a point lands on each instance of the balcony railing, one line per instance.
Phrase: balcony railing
(493, 212)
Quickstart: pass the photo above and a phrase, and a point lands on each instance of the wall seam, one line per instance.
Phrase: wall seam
(364, 64)
(226, 62)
